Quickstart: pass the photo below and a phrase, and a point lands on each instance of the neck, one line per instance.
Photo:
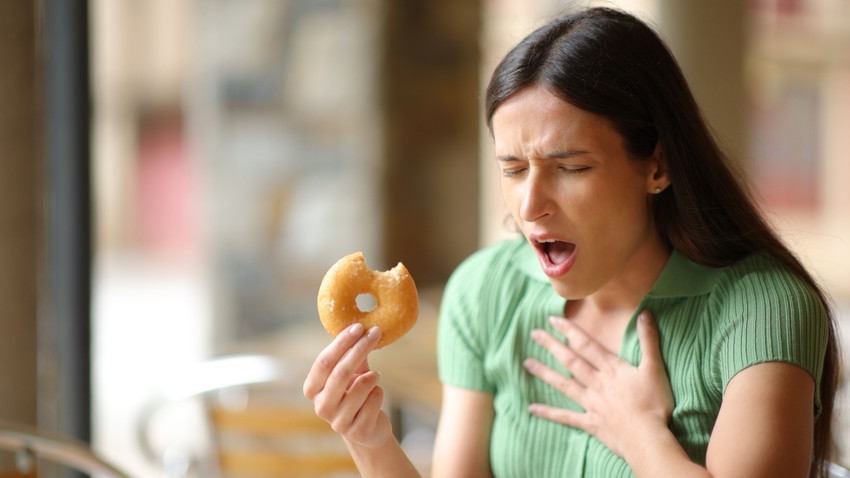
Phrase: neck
(627, 289)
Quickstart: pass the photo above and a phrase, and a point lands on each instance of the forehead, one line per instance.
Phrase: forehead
(535, 117)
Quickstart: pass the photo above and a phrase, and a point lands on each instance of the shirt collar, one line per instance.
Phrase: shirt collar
(682, 277)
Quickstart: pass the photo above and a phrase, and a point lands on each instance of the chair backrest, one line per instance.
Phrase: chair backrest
(259, 423)
(273, 439)
(30, 445)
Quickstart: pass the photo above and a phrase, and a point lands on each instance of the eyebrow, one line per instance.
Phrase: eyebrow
(552, 155)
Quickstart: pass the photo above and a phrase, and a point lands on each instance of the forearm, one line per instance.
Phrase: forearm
(655, 453)
(387, 460)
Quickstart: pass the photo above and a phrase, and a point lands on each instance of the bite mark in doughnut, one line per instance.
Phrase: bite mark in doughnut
(396, 300)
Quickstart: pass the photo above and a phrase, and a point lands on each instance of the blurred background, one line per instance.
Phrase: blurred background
(222, 154)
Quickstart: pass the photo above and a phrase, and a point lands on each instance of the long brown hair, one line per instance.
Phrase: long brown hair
(610, 63)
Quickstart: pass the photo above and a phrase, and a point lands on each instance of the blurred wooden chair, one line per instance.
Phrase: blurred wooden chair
(32, 446)
(258, 424)
(279, 438)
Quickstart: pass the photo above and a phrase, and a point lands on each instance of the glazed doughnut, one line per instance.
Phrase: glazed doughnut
(396, 300)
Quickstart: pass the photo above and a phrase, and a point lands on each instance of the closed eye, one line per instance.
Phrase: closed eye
(574, 170)
(512, 172)
(511, 165)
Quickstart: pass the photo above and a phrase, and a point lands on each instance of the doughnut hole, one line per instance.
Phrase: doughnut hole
(366, 302)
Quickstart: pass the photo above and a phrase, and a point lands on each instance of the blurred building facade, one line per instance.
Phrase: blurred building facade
(798, 73)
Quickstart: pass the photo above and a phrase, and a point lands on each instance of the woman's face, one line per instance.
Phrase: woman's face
(579, 198)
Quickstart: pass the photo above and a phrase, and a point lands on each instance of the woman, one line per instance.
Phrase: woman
(648, 322)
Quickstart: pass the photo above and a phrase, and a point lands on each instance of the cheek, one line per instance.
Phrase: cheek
(615, 215)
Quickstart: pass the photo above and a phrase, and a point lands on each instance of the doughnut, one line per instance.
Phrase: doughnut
(396, 300)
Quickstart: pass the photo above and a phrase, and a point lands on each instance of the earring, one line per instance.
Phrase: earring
(657, 190)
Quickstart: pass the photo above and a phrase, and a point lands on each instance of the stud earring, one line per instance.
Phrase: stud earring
(657, 189)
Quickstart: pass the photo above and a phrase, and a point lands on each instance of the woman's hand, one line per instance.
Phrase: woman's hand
(622, 403)
(345, 393)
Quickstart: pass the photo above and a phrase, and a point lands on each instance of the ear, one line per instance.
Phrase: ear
(657, 174)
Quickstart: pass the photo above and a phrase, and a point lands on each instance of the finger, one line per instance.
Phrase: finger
(328, 401)
(580, 368)
(563, 416)
(347, 368)
(583, 344)
(650, 343)
(354, 399)
(369, 411)
(370, 426)
(571, 388)
(328, 358)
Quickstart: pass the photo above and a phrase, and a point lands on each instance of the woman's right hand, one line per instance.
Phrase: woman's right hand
(345, 393)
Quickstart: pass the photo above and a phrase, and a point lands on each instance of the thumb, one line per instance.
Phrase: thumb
(650, 343)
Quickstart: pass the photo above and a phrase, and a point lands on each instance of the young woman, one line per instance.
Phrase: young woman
(647, 323)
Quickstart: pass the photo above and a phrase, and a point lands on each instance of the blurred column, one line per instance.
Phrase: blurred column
(20, 209)
(64, 318)
(708, 40)
(429, 84)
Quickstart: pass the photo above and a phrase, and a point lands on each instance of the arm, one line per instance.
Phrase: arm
(385, 460)
(765, 424)
(462, 447)
(764, 427)
(345, 393)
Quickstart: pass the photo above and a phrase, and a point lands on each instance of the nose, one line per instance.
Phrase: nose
(537, 197)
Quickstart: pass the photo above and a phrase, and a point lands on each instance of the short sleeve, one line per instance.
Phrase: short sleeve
(769, 315)
(461, 334)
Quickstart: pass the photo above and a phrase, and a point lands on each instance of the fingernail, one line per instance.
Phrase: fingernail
(374, 332)
(557, 321)
(537, 335)
(356, 329)
(530, 364)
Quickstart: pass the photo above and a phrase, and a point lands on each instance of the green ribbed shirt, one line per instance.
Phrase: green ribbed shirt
(714, 322)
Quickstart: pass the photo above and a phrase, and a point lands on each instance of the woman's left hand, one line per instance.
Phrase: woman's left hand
(622, 403)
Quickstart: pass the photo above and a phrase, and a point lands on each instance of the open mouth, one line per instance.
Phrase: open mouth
(558, 252)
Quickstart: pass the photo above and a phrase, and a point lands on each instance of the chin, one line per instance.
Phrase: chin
(569, 292)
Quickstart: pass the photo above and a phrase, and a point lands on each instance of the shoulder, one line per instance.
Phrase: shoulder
(761, 285)
(765, 312)
(488, 280)
(504, 251)
(496, 262)
(472, 306)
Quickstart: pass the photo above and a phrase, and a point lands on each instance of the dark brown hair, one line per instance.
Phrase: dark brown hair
(610, 63)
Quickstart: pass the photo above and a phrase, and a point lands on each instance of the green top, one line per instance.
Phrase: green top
(714, 322)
